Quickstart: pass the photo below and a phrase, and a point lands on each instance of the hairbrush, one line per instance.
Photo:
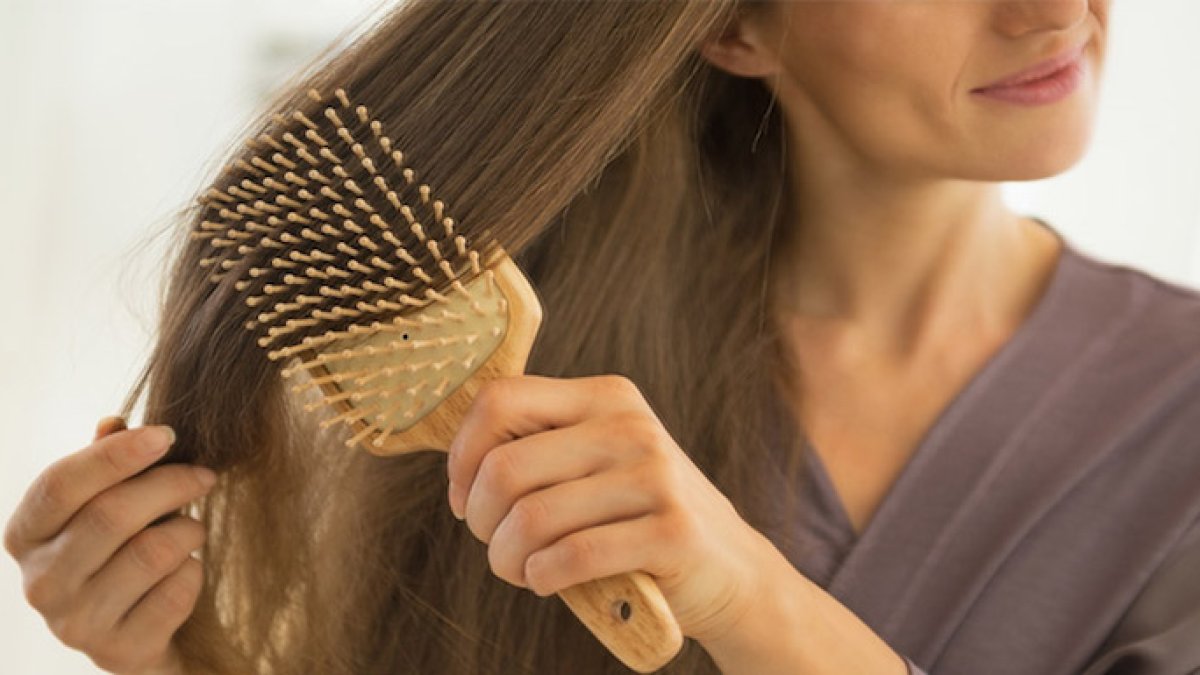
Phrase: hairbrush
(320, 228)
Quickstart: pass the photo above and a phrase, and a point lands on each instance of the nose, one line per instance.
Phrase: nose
(1015, 18)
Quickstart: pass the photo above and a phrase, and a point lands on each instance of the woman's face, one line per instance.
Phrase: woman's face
(888, 82)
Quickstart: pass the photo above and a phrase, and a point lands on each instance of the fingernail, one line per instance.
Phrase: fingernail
(161, 438)
(456, 497)
(115, 421)
(206, 476)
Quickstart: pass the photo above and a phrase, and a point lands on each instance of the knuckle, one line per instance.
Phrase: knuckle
(113, 661)
(578, 554)
(187, 535)
(11, 539)
(677, 528)
(154, 551)
(116, 456)
(114, 658)
(71, 630)
(491, 397)
(178, 592)
(671, 500)
(499, 472)
(640, 431)
(618, 385)
(647, 477)
(658, 471)
(50, 489)
(107, 513)
(529, 517)
(122, 655)
(612, 388)
(41, 591)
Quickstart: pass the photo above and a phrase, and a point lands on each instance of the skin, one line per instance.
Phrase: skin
(902, 271)
(624, 497)
(572, 479)
(902, 266)
(108, 585)
(900, 247)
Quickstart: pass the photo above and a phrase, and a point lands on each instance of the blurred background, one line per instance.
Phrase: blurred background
(115, 110)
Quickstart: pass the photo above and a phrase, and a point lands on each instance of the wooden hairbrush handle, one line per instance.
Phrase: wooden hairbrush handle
(627, 612)
(630, 616)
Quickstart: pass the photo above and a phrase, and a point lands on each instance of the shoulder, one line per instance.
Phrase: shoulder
(1142, 339)
(1158, 294)
(1153, 313)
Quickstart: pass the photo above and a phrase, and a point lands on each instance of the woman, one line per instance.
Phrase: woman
(850, 411)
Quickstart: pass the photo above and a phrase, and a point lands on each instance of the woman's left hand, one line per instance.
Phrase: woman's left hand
(569, 480)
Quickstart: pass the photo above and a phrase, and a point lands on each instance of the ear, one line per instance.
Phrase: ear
(740, 48)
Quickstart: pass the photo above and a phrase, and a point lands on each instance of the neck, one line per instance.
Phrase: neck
(895, 264)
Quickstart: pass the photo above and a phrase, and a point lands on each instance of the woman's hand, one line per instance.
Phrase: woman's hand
(107, 584)
(569, 480)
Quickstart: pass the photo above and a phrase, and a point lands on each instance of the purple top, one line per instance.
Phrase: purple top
(1049, 521)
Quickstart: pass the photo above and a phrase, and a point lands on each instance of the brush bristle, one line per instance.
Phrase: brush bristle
(315, 232)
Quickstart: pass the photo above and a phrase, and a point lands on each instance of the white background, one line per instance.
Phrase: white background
(114, 111)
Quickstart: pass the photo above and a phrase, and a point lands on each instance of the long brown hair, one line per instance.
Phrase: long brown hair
(638, 187)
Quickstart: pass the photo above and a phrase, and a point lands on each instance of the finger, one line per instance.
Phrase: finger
(117, 514)
(138, 566)
(109, 425)
(542, 518)
(69, 483)
(513, 407)
(512, 470)
(159, 613)
(595, 553)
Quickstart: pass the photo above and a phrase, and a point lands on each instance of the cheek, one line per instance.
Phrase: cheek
(893, 112)
(859, 70)
(890, 81)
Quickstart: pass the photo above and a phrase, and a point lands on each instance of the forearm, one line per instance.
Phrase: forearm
(799, 629)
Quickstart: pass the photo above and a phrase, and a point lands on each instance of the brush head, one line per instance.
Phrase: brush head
(350, 266)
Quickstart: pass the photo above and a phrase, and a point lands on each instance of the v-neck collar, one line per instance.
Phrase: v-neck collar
(950, 414)
(985, 473)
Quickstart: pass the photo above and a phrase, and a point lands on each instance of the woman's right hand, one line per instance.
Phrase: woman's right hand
(107, 584)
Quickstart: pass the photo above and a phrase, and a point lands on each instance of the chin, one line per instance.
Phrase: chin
(1045, 163)
(1035, 142)
(1036, 154)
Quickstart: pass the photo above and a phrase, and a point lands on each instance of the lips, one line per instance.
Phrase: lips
(1038, 71)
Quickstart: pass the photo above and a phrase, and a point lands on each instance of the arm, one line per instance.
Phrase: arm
(798, 628)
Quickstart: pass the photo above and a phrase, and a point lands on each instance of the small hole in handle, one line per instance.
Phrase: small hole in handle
(622, 610)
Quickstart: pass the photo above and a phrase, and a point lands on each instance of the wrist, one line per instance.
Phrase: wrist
(793, 626)
(762, 636)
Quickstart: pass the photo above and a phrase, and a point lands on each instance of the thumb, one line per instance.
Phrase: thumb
(109, 425)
